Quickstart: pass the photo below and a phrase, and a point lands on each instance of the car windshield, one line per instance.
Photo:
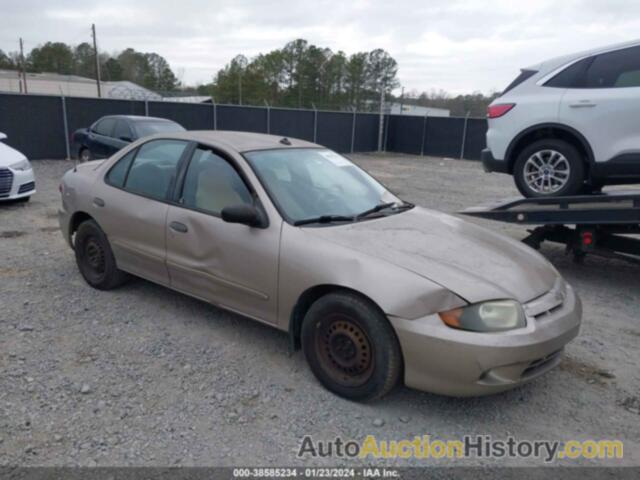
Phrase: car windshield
(308, 183)
(150, 127)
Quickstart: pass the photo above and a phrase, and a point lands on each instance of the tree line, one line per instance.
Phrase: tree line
(298, 75)
(149, 70)
(303, 75)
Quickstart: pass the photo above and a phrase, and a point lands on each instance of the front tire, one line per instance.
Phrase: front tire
(549, 168)
(351, 347)
(95, 259)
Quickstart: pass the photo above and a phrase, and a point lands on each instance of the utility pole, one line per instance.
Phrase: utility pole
(240, 87)
(95, 50)
(381, 127)
(24, 70)
(401, 100)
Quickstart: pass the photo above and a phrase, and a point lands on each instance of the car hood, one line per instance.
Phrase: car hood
(9, 156)
(473, 262)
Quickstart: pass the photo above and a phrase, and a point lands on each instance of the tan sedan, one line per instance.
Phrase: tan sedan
(296, 236)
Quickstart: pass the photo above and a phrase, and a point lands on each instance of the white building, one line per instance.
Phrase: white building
(416, 110)
(72, 86)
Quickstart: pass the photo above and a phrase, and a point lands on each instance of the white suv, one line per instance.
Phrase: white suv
(569, 125)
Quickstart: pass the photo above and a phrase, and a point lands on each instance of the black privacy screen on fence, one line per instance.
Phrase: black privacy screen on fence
(35, 125)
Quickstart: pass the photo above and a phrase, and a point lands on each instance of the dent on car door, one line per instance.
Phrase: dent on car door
(132, 208)
(231, 265)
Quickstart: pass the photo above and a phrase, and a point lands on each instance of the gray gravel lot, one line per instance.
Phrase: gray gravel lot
(146, 376)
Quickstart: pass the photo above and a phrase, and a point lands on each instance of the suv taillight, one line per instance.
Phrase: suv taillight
(498, 110)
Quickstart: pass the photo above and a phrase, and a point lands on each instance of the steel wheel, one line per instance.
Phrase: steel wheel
(344, 350)
(94, 254)
(547, 171)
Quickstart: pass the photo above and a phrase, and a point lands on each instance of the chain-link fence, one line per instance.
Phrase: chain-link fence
(40, 126)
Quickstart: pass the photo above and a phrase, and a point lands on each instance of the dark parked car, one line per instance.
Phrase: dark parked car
(109, 134)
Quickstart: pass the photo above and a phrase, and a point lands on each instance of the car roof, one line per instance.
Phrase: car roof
(137, 118)
(238, 141)
(556, 62)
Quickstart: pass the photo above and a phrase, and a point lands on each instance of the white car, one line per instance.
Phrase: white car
(569, 125)
(17, 181)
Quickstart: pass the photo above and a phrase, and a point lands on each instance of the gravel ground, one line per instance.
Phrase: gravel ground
(146, 376)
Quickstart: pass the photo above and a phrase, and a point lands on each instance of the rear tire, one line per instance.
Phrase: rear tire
(549, 168)
(351, 347)
(95, 259)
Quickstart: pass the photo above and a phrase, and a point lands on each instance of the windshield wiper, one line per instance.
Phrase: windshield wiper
(383, 206)
(324, 219)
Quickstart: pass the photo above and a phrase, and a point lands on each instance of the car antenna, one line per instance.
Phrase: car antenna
(285, 141)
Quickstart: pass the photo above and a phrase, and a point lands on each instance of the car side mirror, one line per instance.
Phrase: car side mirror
(242, 213)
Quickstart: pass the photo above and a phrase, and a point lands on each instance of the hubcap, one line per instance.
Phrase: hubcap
(94, 255)
(344, 350)
(546, 171)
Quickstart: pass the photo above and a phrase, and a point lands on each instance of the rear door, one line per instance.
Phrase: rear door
(604, 105)
(231, 265)
(131, 206)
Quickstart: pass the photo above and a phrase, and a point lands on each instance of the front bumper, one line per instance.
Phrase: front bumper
(16, 183)
(491, 164)
(447, 361)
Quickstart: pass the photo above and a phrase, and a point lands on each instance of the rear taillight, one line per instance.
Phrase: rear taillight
(498, 110)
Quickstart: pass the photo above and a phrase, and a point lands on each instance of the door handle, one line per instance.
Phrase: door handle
(98, 202)
(178, 227)
(582, 104)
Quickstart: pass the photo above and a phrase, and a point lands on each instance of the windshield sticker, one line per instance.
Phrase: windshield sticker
(336, 159)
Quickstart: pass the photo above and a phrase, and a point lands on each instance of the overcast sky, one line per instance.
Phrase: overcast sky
(459, 46)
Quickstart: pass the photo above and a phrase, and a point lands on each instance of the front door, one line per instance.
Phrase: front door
(231, 265)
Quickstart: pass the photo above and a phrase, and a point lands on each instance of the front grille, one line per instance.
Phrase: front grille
(6, 180)
(27, 187)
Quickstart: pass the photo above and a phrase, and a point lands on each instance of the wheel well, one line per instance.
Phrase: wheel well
(76, 219)
(304, 303)
(556, 132)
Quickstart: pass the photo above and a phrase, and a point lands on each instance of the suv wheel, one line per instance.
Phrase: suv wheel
(549, 168)
(351, 347)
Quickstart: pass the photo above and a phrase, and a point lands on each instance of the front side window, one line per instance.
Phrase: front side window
(105, 127)
(617, 69)
(154, 167)
(145, 128)
(311, 182)
(211, 184)
(122, 131)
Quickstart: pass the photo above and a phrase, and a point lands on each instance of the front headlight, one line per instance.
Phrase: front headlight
(492, 316)
(21, 165)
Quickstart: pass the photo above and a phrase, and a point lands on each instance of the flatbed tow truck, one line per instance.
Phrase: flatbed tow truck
(603, 225)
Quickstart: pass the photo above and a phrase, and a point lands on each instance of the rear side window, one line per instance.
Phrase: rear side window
(617, 69)
(524, 75)
(154, 168)
(105, 127)
(572, 76)
(118, 172)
